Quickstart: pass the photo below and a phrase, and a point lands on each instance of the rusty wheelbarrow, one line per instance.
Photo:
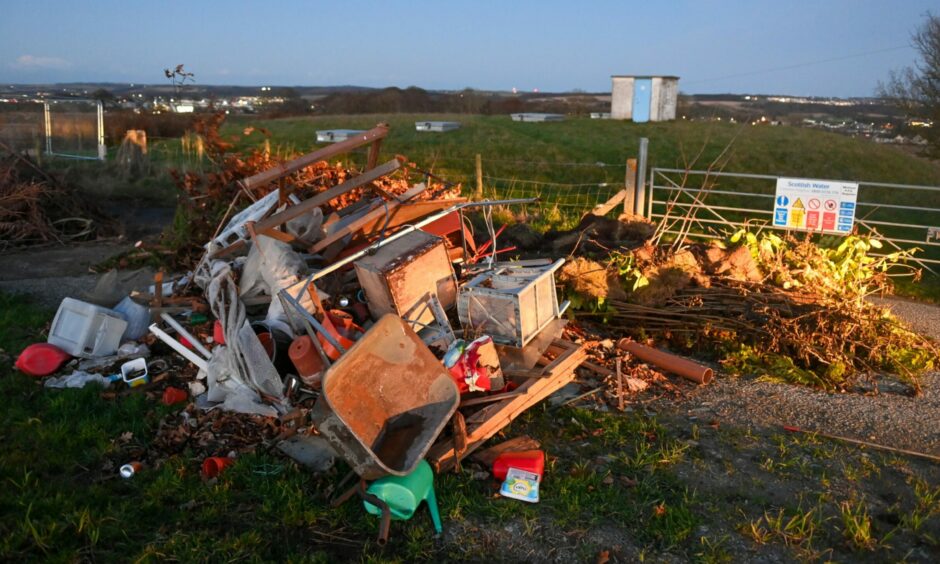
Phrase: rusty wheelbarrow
(385, 401)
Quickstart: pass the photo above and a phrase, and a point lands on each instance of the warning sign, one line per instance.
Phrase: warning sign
(798, 199)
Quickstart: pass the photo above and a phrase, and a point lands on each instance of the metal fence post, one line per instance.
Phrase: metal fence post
(102, 149)
(629, 184)
(48, 126)
(640, 204)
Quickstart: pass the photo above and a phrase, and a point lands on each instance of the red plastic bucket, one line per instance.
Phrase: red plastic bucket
(215, 465)
(173, 395)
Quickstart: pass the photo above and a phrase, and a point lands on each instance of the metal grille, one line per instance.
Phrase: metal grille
(74, 129)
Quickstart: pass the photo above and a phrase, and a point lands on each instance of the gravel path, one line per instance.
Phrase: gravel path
(52, 273)
(887, 414)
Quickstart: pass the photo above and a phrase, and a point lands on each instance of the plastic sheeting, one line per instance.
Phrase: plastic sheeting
(273, 266)
(235, 380)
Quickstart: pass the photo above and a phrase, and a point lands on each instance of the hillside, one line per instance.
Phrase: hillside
(542, 148)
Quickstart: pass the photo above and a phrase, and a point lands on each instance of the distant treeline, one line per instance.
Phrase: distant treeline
(467, 101)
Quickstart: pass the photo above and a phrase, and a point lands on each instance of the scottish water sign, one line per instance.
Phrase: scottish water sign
(815, 205)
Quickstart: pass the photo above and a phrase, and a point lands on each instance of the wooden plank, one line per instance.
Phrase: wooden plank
(353, 226)
(629, 182)
(487, 456)
(489, 399)
(408, 213)
(597, 368)
(374, 153)
(460, 433)
(359, 224)
(158, 289)
(603, 209)
(272, 174)
(323, 197)
(442, 455)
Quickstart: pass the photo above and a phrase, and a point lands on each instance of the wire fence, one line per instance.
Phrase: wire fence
(565, 187)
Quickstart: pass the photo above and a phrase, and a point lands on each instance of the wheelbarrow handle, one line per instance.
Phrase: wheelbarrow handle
(385, 523)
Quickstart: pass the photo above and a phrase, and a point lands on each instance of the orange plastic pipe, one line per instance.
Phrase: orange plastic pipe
(669, 362)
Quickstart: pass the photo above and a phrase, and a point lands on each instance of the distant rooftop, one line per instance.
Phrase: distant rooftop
(643, 76)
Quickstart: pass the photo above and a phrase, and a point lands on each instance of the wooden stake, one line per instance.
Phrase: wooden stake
(158, 289)
(629, 183)
(620, 404)
(478, 195)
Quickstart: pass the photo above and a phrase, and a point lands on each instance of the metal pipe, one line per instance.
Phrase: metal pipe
(385, 522)
(640, 201)
(711, 191)
(47, 122)
(311, 320)
(669, 362)
(178, 347)
(102, 148)
(189, 337)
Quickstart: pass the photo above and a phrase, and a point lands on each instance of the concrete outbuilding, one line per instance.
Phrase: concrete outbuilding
(644, 98)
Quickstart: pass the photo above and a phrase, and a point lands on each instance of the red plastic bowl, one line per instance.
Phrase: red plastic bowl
(41, 359)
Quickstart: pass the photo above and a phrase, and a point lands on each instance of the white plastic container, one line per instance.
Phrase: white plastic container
(137, 317)
(86, 330)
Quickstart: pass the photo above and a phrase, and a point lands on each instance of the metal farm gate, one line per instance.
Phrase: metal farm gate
(710, 204)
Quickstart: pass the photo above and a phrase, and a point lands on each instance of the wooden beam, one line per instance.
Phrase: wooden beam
(354, 226)
(370, 220)
(323, 197)
(408, 213)
(486, 457)
(374, 153)
(266, 177)
(491, 419)
(603, 209)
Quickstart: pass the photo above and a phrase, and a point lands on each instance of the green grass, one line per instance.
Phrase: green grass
(569, 152)
(62, 499)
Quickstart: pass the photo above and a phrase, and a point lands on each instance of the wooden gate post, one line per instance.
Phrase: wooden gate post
(478, 195)
(629, 182)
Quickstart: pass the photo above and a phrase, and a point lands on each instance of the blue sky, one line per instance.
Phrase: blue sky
(553, 46)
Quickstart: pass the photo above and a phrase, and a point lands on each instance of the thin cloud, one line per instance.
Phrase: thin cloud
(38, 62)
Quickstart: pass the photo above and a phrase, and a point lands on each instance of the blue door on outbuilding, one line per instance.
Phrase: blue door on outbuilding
(642, 95)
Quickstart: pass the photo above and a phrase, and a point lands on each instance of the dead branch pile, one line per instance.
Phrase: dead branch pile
(36, 209)
(786, 308)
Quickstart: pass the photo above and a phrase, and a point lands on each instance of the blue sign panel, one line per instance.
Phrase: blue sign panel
(780, 216)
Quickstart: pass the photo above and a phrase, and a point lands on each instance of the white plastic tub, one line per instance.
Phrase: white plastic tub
(86, 330)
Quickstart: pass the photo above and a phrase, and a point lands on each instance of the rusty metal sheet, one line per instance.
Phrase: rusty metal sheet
(385, 401)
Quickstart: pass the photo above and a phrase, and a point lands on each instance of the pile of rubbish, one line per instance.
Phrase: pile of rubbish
(37, 209)
(245, 176)
(360, 323)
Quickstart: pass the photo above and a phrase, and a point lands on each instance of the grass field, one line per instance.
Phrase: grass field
(579, 151)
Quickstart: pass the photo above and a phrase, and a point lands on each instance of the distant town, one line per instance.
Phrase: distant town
(865, 117)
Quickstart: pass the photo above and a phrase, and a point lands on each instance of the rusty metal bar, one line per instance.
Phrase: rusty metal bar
(272, 174)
